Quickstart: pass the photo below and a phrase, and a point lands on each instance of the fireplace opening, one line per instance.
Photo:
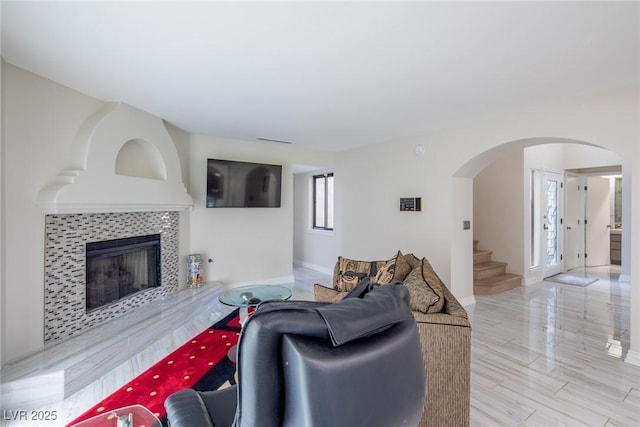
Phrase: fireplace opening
(120, 268)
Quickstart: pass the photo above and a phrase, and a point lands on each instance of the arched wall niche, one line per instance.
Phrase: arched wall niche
(139, 158)
(123, 159)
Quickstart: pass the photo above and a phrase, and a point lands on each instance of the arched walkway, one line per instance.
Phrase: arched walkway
(462, 197)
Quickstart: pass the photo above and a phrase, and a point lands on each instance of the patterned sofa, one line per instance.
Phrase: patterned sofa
(445, 331)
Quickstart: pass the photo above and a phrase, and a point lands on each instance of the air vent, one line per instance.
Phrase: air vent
(279, 141)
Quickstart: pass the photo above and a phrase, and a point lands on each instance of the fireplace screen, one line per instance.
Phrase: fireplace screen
(120, 268)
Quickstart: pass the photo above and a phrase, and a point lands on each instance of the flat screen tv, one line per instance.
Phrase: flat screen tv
(233, 184)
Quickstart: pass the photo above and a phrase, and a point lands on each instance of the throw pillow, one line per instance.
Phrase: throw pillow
(324, 294)
(426, 293)
(396, 268)
(350, 272)
(434, 282)
(412, 260)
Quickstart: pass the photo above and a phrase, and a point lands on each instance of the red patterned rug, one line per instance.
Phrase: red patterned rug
(200, 363)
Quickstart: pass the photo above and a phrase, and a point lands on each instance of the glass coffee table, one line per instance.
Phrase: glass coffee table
(129, 416)
(250, 296)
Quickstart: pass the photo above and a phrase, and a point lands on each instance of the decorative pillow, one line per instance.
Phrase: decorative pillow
(434, 282)
(324, 294)
(412, 260)
(425, 288)
(350, 272)
(396, 268)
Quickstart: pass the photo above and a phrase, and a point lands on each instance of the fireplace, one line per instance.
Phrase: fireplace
(66, 238)
(119, 268)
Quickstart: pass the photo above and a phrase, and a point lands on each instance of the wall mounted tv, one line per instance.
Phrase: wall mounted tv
(233, 184)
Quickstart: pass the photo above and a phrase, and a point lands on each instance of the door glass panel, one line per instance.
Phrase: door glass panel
(536, 214)
(551, 223)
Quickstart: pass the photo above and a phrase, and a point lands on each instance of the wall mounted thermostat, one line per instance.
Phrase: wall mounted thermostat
(411, 204)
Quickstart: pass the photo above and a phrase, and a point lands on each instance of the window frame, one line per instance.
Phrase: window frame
(314, 183)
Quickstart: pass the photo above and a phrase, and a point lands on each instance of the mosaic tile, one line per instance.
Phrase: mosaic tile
(65, 238)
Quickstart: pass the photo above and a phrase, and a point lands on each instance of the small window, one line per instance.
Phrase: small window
(323, 201)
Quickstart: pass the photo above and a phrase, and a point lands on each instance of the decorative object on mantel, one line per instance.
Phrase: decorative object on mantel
(413, 204)
(195, 278)
(122, 160)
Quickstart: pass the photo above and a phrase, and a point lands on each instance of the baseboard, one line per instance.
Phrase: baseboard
(470, 300)
(528, 281)
(633, 358)
(313, 267)
(626, 278)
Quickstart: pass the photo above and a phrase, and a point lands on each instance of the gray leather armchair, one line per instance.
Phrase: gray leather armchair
(354, 363)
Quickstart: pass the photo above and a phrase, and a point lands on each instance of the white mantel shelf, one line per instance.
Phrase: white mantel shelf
(85, 208)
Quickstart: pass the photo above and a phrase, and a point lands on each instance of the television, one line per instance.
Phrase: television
(235, 184)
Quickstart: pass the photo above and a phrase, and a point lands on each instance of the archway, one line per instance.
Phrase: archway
(464, 191)
(462, 195)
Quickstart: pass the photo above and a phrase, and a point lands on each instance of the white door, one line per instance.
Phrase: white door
(597, 222)
(574, 222)
(552, 224)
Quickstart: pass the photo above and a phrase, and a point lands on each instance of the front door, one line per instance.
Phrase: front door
(552, 224)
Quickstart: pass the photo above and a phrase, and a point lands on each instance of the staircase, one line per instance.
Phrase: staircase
(490, 277)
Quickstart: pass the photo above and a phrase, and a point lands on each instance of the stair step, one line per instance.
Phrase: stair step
(481, 257)
(496, 284)
(488, 269)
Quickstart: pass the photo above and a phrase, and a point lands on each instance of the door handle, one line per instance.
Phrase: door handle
(568, 227)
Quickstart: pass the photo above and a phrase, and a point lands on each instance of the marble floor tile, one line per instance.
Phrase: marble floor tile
(547, 354)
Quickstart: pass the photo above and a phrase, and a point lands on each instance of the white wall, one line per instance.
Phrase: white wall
(498, 210)
(41, 119)
(248, 245)
(372, 181)
(315, 249)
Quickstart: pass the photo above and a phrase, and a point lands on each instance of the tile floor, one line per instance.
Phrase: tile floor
(551, 354)
(548, 354)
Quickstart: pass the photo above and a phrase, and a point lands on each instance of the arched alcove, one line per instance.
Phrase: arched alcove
(139, 158)
(463, 195)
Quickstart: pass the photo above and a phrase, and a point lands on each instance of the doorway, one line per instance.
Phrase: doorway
(574, 241)
(552, 222)
(597, 224)
(591, 217)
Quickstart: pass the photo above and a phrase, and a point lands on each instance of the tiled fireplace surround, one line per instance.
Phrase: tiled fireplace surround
(64, 287)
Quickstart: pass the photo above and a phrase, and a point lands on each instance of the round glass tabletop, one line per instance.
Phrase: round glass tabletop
(129, 416)
(251, 296)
